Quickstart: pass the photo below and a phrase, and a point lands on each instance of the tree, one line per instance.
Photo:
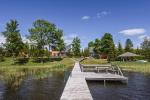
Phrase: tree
(13, 38)
(1, 54)
(76, 46)
(120, 50)
(106, 43)
(128, 45)
(56, 41)
(46, 33)
(112, 53)
(145, 45)
(97, 46)
(85, 52)
(91, 44)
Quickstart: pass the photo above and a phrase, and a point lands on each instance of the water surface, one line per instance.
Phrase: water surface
(32, 87)
(138, 88)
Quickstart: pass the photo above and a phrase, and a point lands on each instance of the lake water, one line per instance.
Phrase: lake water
(138, 88)
(51, 87)
(32, 88)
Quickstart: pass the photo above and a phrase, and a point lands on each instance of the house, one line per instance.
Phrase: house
(91, 52)
(57, 53)
(68, 48)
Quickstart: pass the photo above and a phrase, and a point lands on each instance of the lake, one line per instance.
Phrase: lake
(50, 87)
(32, 87)
(138, 88)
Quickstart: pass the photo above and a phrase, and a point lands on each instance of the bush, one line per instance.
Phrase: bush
(21, 60)
(46, 59)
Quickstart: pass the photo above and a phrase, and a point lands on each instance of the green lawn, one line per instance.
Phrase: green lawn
(9, 68)
(94, 61)
(129, 66)
(10, 63)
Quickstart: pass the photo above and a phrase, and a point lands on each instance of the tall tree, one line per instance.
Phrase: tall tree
(106, 42)
(112, 53)
(55, 40)
(120, 50)
(76, 46)
(145, 45)
(91, 44)
(97, 46)
(39, 32)
(128, 45)
(13, 38)
(46, 33)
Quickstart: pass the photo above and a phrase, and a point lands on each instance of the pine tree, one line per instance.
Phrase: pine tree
(112, 53)
(76, 46)
(13, 38)
(128, 46)
(120, 50)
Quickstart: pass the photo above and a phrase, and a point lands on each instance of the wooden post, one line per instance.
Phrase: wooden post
(104, 83)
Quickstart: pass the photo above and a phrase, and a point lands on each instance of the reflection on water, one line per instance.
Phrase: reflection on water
(138, 88)
(33, 85)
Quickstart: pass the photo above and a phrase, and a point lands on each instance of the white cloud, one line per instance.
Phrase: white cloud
(141, 37)
(68, 38)
(102, 14)
(85, 18)
(134, 31)
(2, 39)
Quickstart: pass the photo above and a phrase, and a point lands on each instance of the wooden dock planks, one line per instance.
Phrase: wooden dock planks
(76, 87)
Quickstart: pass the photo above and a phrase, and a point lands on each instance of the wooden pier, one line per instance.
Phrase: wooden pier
(76, 87)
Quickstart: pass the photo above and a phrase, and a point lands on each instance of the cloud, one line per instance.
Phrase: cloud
(141, 37)
(68, 38)
(2, 39)
(134, 31)
(85, 18)
(102, 14)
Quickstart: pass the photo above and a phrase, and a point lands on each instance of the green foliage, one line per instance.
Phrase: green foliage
(13, 38)
(91, 44)
(106, 43)
(1, 54)
(76, 46)
(145, 45)
(120, 49)
(45, 33)
(112, 53)
(21, 60)
(97, 46)
(128, 45)
(85, 52)
(40, 31)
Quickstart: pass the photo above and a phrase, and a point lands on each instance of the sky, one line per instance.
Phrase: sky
(87, 19)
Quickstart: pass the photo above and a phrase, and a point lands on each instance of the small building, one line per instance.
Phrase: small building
(57, 53)
(103, 56)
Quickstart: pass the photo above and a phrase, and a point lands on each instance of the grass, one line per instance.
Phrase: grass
(129, 66)
(7, 68)
(134, 66)
(14, 74)
(94, 61)
(10, 63)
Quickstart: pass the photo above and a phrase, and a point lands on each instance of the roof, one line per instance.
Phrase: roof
(128, 54)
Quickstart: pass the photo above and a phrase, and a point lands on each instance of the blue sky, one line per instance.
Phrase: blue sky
(87, 19)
